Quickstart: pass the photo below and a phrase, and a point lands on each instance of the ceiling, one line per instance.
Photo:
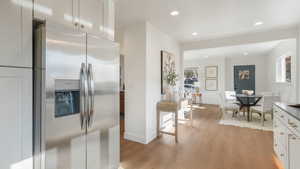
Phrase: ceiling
(209, 18)
(258, 49)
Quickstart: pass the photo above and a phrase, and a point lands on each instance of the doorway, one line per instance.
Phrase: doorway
(122, 97)
(244, 78)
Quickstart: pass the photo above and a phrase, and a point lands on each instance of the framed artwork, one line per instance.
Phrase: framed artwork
(167, 65)
(211, 72)
(244, 74)
(211, 84)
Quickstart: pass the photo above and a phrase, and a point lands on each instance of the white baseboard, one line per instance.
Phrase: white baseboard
(135, 138)
(151, 137)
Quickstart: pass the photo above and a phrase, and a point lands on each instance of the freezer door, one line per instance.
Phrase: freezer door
(103, 131)
(63, 133)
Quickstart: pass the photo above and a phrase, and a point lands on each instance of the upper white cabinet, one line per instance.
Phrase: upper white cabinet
(109, 19)
(92, 16)
(16, 118)
(57, 11)
(16, 33)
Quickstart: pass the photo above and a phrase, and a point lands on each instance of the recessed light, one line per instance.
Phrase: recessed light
(174, 13)
(194, 33)
(246, 53)
(258, 23)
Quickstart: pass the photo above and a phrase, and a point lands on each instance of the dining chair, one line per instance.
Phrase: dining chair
(266, 107)
(228, 102)
(230, 96)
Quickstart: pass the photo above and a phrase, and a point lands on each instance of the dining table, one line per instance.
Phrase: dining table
(247, 101)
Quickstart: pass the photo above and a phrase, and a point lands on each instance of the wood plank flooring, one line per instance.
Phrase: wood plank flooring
(206, 145)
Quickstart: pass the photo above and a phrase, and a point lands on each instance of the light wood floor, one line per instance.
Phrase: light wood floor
(207, 145)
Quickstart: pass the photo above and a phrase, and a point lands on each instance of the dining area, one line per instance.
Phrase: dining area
(247, 107)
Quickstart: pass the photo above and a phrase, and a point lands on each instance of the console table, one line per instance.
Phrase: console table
(172, 107)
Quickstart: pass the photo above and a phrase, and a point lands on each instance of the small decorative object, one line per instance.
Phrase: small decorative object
(244, 74)
(211, 72)
(168, 74)
(211, 84)
(248, 92)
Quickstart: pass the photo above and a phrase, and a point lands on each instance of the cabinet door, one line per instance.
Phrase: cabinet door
(276, 135)
(16, 118)
(281, 143)
(294, 151)
(91, 16)
(57, 11)
(15, 19)
(109, 19)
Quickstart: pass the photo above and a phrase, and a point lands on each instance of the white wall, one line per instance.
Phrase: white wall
(156, 41)
(141, 45)
(134, 50)
(287, 91)
(209, 97)
(261, 72)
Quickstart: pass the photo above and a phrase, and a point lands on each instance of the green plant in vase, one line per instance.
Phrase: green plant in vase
(170, 76)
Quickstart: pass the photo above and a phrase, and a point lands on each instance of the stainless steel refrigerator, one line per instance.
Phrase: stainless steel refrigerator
(76, 99)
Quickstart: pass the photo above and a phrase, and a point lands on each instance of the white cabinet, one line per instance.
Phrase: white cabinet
(92, 16)
(16, 33)
(57, 11)
(16, 118)
(109, 19)
(286, 139)
(294, 151)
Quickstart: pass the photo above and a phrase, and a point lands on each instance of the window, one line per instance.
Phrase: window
(191, 78)
(283, 69)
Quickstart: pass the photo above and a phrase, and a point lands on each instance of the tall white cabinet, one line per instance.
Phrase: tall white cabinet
(16, 84)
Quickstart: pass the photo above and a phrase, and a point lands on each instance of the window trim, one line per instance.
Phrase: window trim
(281, 60)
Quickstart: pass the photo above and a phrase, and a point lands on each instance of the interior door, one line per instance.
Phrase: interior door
(64, 134)
(103, 131)
(244, 78)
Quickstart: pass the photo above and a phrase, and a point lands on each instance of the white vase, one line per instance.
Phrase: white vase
(170, 93)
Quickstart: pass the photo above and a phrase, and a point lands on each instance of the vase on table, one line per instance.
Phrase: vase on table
(170, 93)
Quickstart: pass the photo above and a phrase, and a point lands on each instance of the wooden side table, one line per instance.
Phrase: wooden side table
(168, 106)
(173, 107)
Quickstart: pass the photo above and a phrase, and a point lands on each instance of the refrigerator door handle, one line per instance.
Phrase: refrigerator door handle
(83, 95)
(91, 91)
